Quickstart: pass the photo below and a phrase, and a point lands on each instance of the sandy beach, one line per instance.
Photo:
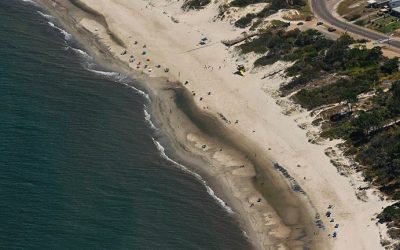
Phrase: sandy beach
(259, 159)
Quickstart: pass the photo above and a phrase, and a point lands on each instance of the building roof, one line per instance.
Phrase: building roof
(397, 9)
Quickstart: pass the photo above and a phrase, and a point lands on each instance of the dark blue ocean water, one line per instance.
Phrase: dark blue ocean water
(78, 167)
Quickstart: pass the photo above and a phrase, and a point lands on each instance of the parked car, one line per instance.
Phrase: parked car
(320, 23)
(300, 23)
(330, 29)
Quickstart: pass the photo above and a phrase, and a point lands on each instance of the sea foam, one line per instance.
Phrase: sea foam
(211, 192)
(67, 35)
(119, 78)
(147, 117)
(31, 2)
(48, 17)
(141, 92)
(80, 53)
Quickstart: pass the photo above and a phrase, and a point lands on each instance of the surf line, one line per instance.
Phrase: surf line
(211, 192)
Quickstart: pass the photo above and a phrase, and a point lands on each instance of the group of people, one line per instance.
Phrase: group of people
(132, 59)
(332, 220)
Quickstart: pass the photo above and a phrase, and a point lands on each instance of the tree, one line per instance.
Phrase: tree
(390, 66)
(394, 102)
(350, 97)
(370, 121)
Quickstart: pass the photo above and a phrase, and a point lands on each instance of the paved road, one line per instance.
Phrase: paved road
(321, 10)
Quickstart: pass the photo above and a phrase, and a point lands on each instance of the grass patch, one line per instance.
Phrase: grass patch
(344, 6)
(385, 25)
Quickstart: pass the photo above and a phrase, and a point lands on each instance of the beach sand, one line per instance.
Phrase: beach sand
(214, 109)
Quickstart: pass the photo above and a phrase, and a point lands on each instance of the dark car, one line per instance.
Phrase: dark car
(300, 23)
(330, 29)
(320, 23)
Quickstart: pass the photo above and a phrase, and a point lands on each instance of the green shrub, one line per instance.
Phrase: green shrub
(390, 213)
(335, 92)
(354, 17)
(195, 4)
(390, 66)
(245, 21)
(244, 3)
(360, 22)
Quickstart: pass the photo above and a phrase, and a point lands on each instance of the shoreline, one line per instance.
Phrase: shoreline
(221, 187)
(160, 101)
(189, 127)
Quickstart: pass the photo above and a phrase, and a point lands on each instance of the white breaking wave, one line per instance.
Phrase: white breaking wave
(80, 52)
(198, 177)
(147, 117)
(45, 15)
(114, 76)
(137, 91)
(120, 79)
(67, 35)
(106, 73)
(30, 1)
